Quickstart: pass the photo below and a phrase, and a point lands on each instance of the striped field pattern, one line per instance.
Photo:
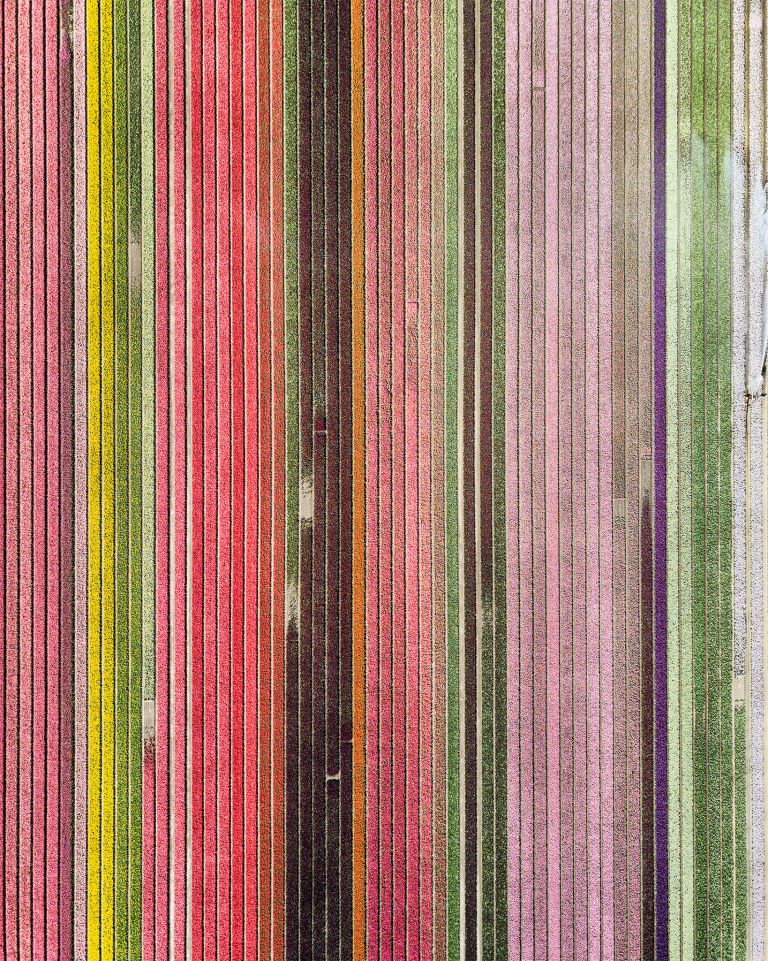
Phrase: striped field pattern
(383, 480)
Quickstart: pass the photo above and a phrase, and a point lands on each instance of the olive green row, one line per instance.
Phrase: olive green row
(706, 733)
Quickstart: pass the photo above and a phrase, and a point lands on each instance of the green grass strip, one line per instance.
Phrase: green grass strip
(711, 503)
(685, 440)
(726, 498)
(673, 505)
(499, 474)
(698, 509)
(740, 787)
